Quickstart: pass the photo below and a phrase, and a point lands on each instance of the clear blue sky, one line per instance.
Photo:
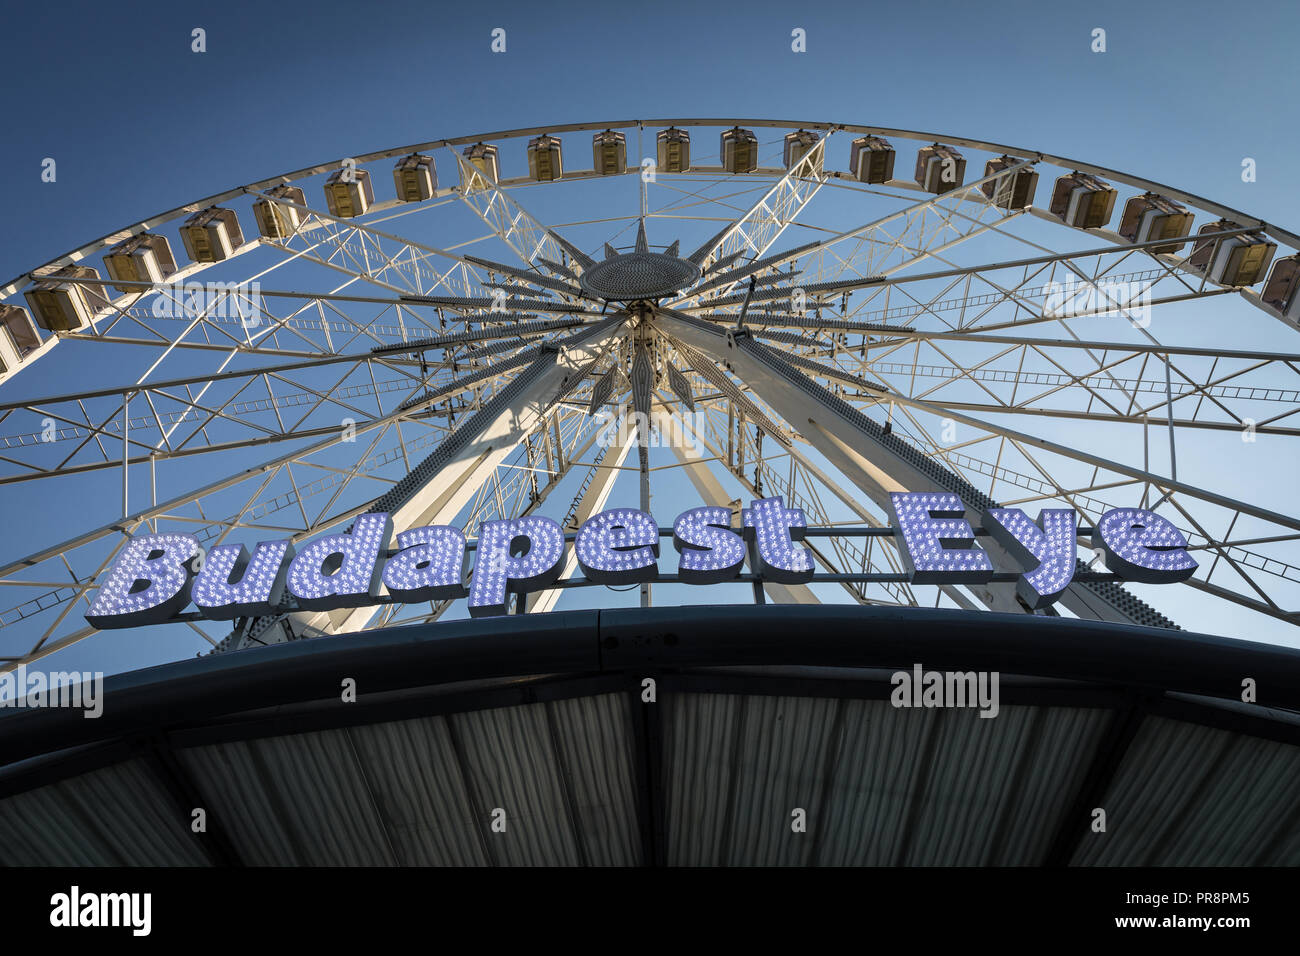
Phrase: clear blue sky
(139, 124)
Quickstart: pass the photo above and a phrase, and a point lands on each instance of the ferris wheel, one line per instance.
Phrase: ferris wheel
(806, 315)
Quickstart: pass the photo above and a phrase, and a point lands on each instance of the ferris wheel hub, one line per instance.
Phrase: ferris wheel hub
(639, 275)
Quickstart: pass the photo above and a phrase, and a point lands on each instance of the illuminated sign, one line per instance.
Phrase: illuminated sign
(156, 576)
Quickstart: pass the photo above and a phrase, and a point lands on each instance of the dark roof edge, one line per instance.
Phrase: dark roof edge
(651, 640)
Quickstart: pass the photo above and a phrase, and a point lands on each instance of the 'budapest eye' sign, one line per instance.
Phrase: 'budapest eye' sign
(156, 576)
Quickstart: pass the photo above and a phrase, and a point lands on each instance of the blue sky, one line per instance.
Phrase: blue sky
(139, 124)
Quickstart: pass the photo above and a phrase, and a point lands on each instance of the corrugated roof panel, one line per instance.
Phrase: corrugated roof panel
(1019, 769)
(1285, 850)
(1160, 778)
(511, 761)
(876, 774)
(877, 784)
(137, 815)
(326, 800)
(419, 787)
(969, 767)
(596, 742)
(292, 800)
(42, 828)
(1065, 741)
(997, 787)
(228, 777)
(699, 732)
(781, 768)
(115, 816)
(1244, 813)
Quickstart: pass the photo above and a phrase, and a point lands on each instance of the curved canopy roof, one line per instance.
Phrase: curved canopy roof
(759, 712)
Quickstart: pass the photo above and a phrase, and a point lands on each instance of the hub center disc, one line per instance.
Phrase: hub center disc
(639, 275)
